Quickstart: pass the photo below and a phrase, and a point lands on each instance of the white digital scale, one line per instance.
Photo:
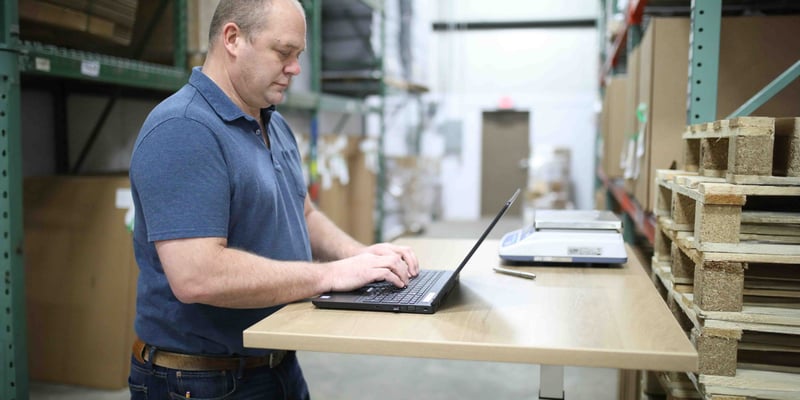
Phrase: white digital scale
(567, 236)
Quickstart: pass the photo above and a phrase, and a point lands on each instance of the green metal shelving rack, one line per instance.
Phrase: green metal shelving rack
(704, 61)
(348, 105)
(44, 60)
(316, 101)
(706, 22)
(13, 350)
(37, 59)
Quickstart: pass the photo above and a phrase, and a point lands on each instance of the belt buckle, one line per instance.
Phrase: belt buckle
(276, 357)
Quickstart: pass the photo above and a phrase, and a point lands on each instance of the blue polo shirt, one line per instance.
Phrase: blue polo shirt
(200, 168)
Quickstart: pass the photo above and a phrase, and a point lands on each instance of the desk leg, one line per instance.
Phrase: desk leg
(551, 382)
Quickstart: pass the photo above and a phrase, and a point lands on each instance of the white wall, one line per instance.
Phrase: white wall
(514, 10)
(553, 73)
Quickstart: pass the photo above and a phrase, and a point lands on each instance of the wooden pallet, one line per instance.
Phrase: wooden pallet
(721, 281)
(746, 385)
(745, 150)
(723, 217)
(759, 336)
(677, 386)
(749, 384)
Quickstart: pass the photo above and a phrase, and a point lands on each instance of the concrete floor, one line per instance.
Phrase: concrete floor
(346, 377)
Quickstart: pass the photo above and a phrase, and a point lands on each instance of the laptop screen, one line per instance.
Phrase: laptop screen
(486, 233)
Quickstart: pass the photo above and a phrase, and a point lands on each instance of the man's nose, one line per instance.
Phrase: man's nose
(293, 68)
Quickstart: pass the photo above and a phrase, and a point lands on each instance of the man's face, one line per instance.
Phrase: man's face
(269, 58)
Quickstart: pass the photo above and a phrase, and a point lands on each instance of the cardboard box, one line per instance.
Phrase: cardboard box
(663, 80)
(612, 125)
(635, 127)
(80, 281)
(351, 206)
(199, 13)
(118, 11)
(105, 19)
(753, 52)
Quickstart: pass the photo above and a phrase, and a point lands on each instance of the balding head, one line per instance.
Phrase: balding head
(249, 15)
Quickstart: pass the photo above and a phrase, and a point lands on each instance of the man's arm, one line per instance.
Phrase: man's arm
(205, 270)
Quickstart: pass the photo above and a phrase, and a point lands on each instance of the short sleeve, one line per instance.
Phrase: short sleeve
(179, 173)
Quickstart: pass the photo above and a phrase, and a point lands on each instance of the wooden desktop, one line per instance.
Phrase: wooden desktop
(576, 316)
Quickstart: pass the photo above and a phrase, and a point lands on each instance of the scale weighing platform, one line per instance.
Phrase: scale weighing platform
(567, 236)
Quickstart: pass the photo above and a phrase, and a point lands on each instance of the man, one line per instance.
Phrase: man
(224, 232)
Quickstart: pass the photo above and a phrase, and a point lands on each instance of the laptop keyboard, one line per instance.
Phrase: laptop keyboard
(386, 292)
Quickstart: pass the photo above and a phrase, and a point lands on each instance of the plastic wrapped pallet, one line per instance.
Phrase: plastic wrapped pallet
(412, 188)
(549, 181)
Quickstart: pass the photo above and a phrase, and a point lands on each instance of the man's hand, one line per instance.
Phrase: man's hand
(406, 255)
(354, 272)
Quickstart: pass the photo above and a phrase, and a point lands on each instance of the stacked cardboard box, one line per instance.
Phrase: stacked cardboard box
(80, 281)
(612, 126)
(199, 18)
(753, 52)
(106, 19)
(350, 201)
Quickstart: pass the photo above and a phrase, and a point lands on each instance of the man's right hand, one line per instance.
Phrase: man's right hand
(354, 272)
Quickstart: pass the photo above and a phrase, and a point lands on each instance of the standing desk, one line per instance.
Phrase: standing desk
(590, 316)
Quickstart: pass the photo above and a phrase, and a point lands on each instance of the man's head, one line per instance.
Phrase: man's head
(253, 49)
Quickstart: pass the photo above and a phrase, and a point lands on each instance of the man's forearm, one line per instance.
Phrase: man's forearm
(205, 270)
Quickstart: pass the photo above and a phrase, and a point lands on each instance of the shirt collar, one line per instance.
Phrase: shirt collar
(219, 101)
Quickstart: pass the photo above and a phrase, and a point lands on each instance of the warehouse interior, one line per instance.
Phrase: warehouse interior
(416, 120)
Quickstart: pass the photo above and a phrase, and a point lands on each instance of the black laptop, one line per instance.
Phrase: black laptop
(423, 295)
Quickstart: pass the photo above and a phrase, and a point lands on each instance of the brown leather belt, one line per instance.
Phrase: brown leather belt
(189, 362)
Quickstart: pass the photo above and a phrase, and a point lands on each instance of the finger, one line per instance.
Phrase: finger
(411, 260)
(390, 276)
(400, 269)
(414, 262)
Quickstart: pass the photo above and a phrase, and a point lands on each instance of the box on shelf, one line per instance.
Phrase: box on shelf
(631, 123)
(347, 193)
(109, 20)
(612, 126)
(753, 52)
(199, 13)
(664, 58)
(80, 281)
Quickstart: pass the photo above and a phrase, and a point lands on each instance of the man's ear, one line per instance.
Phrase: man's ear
(231, 38)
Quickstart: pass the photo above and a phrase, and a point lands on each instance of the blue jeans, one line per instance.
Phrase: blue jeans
(284, 382)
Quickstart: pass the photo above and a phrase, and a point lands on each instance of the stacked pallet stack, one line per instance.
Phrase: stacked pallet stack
(727, 254)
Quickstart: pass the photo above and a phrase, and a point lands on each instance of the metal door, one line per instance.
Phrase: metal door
(504, 158)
